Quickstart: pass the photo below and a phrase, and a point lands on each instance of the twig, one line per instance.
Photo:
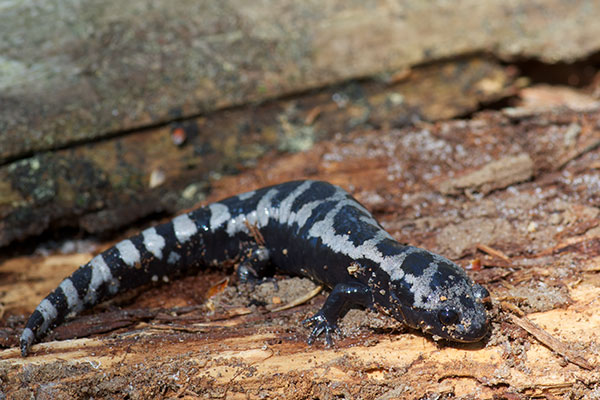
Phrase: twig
(299, 300)
(511, 308)
(551, 342)
(255, 233)
(493, 252)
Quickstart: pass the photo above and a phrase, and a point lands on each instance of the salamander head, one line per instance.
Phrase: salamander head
(439, 298)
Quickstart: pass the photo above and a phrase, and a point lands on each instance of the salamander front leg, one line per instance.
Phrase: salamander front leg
(254, 264)
(341, 298)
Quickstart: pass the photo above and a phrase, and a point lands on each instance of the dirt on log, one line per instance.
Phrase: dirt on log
(532, 237)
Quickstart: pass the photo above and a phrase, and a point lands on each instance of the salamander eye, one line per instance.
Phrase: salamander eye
(481, 292)
(448, 316)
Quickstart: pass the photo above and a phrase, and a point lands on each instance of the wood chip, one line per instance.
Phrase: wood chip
(497, 174)
(217, 288)
(312, 115)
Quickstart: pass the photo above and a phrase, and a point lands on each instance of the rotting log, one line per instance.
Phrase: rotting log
(105, 185)
(76, 70)
(536, 239)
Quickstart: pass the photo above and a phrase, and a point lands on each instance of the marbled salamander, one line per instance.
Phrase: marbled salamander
(309, 228)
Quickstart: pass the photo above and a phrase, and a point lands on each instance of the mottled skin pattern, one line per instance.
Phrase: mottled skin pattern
(309, 228)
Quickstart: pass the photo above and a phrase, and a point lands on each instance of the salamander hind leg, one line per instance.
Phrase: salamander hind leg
(254, 265)
(341, 298)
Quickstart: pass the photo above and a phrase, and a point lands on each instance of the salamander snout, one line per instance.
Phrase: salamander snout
(435, 295)
(471, 326)
(462, 317)
(454, 310)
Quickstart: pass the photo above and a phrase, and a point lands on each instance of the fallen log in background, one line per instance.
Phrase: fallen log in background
(78, 70)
